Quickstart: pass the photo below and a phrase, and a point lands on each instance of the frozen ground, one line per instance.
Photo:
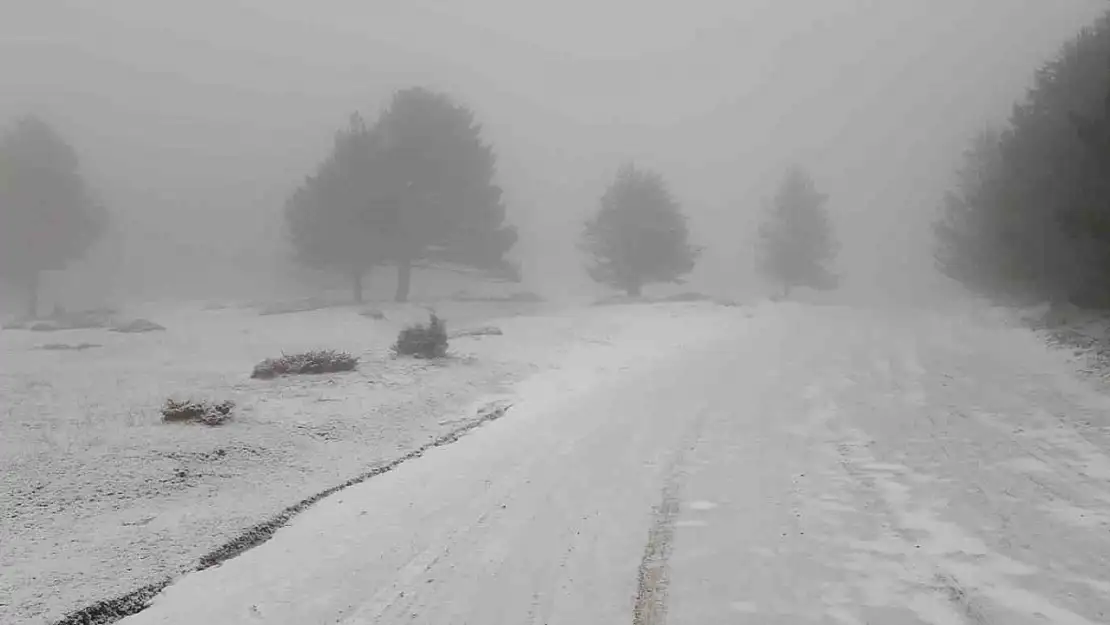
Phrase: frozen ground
(98, 496)
(804, 464)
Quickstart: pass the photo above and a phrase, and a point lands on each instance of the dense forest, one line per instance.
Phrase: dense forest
(1029, 217)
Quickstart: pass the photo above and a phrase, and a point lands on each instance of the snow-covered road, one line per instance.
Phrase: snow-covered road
(805, 465)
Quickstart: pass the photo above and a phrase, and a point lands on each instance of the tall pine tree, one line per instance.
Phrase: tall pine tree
(48, 216)
(333, 218)
(443, 204)
(417, 186)
(796, 239)
(639, 236)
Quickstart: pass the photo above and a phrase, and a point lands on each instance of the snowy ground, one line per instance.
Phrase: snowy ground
(787, 464)
(98, 496)
(679, 463)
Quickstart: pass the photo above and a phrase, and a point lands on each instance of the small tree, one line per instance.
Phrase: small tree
(966, 246)
(332, 219)
(443, 204)
(48, 216)
(796, 239)
(639, 235)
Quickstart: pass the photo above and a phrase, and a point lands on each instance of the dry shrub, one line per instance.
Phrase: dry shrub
(519, 297)
(136, 326)
(312, 362)
(423, 340)
(64, 320)
(373, 313)
(307, 304)
(68, 347)
(688, 296)
(201, 411)
(481, 331)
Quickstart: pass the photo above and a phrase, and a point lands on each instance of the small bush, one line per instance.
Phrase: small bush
(68, 347)
(313, 362)
(137, 325)
(518, 297)
(688, 296)
(197, 411)
(482, 331)
(423, 340)
(307, 304)
(373, 313)
(16, 324)
(46, 326)
(617, 300)
(62, 319)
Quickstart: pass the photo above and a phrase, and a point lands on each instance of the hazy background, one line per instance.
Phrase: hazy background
(196, 119)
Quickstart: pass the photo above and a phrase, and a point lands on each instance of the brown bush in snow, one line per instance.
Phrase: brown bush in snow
(197, 411)
(68, 347)
(482, 331)
(373, 313)
(137, 325)
(313, 362)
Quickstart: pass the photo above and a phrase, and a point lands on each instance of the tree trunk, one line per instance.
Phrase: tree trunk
(33, 296)
(404, 281)
(356, 285)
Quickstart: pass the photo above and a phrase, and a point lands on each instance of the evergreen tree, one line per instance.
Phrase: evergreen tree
(48, 216)
(1038, 226)
(442, 202)
(333, 219)
(639, 235)
(964, 247)
(416, 186)
(796, 239)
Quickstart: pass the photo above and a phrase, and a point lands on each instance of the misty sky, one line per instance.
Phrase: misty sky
(210, 111)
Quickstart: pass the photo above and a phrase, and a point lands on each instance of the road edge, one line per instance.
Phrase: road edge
(117, 608)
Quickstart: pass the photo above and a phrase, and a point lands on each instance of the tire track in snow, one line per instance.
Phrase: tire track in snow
(902, 371)
(651, 597)
(653, 576)
(926, 570)
(960, 598)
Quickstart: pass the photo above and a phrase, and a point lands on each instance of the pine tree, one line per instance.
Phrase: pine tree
(966, 248)
(416, 186)
(443, 204)
(1038, 227)
(48, 216)
(333, 219)
(639, 235)
(796, 239)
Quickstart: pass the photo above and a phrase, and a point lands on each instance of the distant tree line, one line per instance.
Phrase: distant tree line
(417, 186)
(1027, 218)
(1029, 215)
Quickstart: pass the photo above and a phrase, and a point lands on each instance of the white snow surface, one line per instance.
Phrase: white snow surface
(99, 497)
(776, 464)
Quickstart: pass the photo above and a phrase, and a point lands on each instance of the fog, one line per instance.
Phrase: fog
(196, 119)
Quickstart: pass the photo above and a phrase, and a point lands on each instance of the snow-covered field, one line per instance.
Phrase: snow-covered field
(758, 464)
(99, 496)
(776, 464)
